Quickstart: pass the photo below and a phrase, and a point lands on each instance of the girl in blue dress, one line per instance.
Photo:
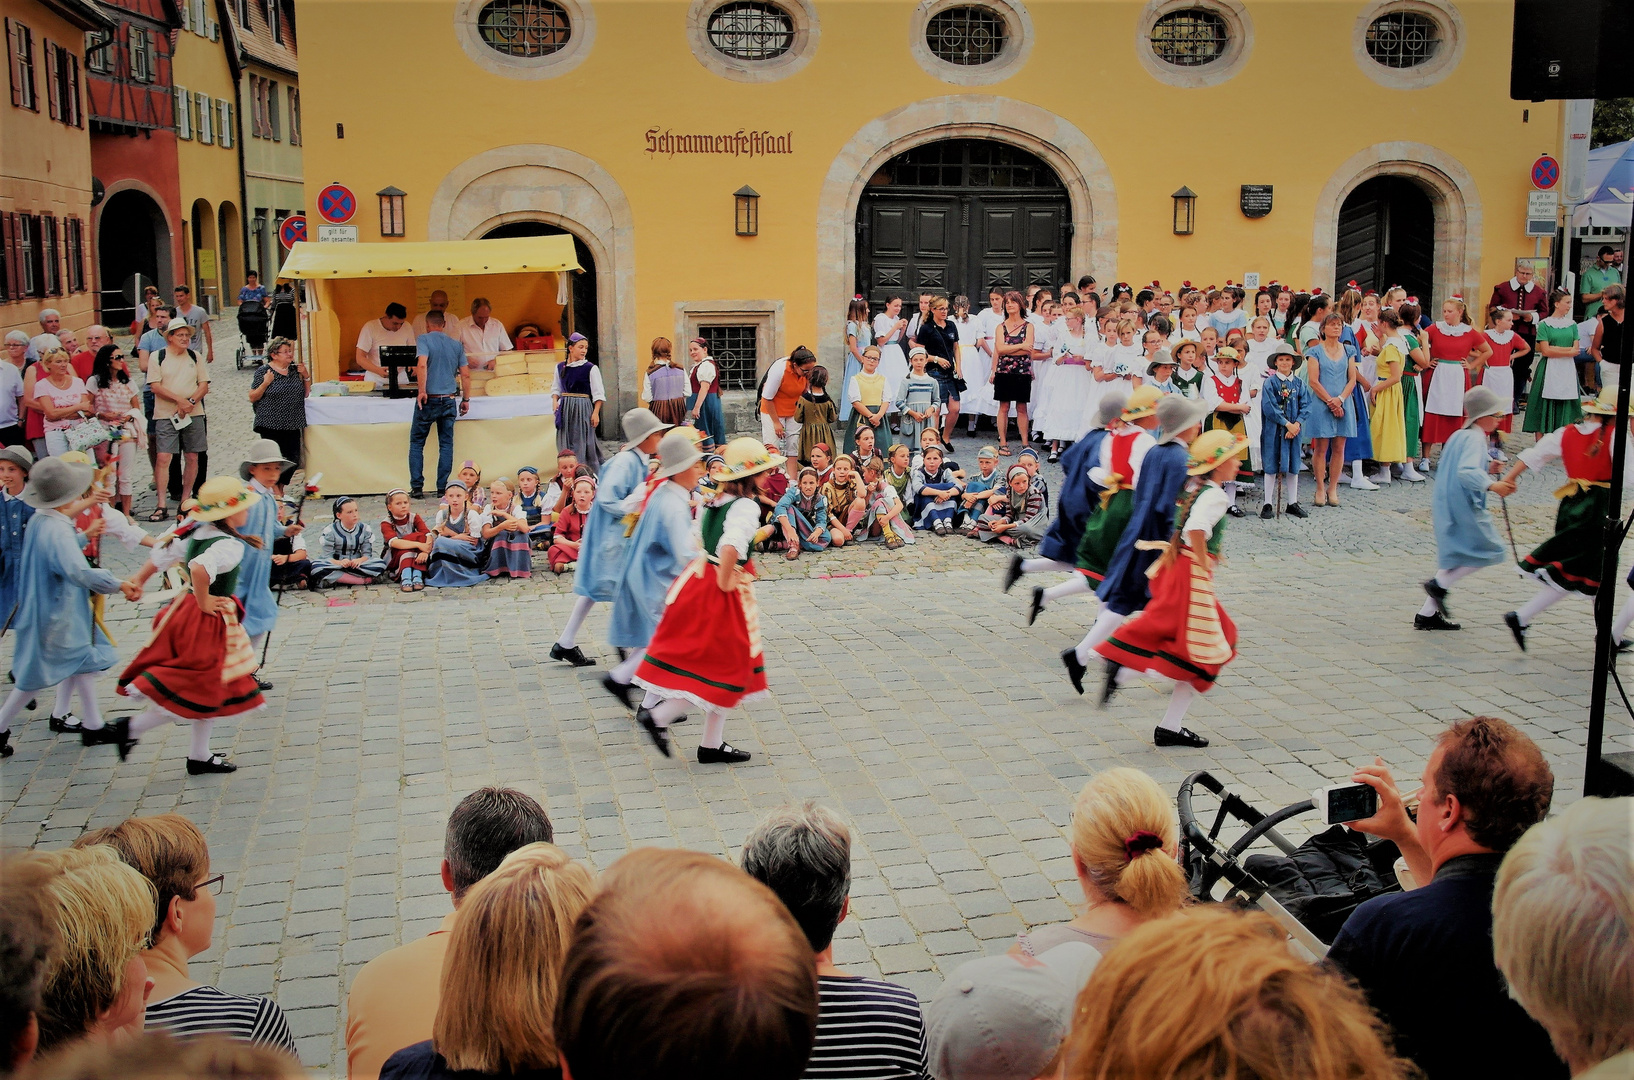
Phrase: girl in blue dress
(457, 555)
(1285, 401)
(1331, 366)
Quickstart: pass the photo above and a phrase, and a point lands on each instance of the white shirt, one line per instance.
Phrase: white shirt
(216, 560)
(1546, 451)
(1206, 510)
(882, 330)
(451, 324)
(373, 335)
(704, 372)
(1101, 471)
(1211, 393)
(11, 391)
(742, 519)
(1186, 335)
(118, 527)
(483, 343)
(774, 378)
(597, 391)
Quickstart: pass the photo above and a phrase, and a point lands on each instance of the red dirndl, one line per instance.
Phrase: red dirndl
(1183, 634)
(195, 665)
(707, 646)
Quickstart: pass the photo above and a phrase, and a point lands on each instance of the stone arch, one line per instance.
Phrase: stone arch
(1057, 141)
(566, 189)
(1459, 217)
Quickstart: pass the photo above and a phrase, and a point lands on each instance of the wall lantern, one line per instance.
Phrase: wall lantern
(1185, 211)
(748, 210)
(391, 211)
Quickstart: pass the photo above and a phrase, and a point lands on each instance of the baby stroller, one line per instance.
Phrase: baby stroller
(1309, 888)
(253, 321)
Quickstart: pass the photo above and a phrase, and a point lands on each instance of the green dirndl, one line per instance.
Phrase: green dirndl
(1412, 414)
(1570, 558)
(1544, 415)
(1101, 532)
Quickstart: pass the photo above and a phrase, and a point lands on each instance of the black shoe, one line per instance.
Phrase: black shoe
(1266, 513)
(6, 749)
(33, 703)
(658, 735)
(1075, 670)
(1184, 737)
(417, 493)
(65, 725)
(1054, 457)
(1295, 510)
(1012, 573)
(1624, 646)
(1437, 621)
(262, 684)
(724, 754)
(1433, 589)
(618, 690)
(1513, 621)
(623, 654)
(1110, 686)
(216, 763)
(573, 655)
(1036, 606)
(1235, 511)
(116, 733)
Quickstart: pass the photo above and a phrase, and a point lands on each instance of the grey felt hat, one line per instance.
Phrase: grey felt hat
(1481, 401)
(1111, 407)
(263, 452)
(1175, 414)
(18, 456)
(54, 481)
(677, 450)
(639, 424)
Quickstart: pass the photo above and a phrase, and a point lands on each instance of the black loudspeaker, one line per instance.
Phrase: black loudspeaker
(1572, 49)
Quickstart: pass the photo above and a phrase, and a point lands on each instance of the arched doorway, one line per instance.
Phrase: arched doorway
(132, 249)
(230, 243)
(962, 216)
(1387, 237)
(580, 315)
(206, 263)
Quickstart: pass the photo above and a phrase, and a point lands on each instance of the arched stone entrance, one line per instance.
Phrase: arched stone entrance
(230, 244)
(581, 312)
(132, 239)
(206, 257)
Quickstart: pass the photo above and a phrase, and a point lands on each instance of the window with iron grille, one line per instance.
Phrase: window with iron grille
(967, 36)
(967, 163)
(735, 353)
(525, 28)
(751, 31)
(1190, 38)
(1403, 39)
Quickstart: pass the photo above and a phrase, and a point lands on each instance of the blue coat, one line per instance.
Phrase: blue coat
(14, 518)
(53, 632)
(1162, 476)
(1464, 532)
(1078, 495)
(1282, 401)
(602, 548)
(660, 548)
(255, 571)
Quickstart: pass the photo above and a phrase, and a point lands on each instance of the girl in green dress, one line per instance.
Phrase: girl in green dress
(1555, 398)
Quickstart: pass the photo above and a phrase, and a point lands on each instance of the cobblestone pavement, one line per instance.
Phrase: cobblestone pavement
(907, 693)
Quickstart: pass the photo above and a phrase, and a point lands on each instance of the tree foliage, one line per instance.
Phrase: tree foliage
(1613, 121)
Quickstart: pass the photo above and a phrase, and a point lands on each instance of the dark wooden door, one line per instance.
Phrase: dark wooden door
(1387, 237)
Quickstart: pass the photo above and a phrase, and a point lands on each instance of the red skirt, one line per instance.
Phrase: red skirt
(195, 665)
(707, 645)
(1438, 428)
(1183, 634)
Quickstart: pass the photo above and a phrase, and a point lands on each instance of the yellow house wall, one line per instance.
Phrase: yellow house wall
(45, 167)
(272, 169)
(209, 171)
(1297, 111)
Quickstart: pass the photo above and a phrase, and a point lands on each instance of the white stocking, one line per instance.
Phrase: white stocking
(625, 671)
(150, 718)
(667, 712)
(714, 729)
(258, 641)
(1073, 586)
(570, 632)
(1290, 487)
(650, 700)
(1105, 623)
(1184, 694)
(14, 705)
(1624, 618)
(1035, 566)
(1445, 578)
(1547, 597)
(199, 748)
(91, 718)
(65, 698)
(1230, 489)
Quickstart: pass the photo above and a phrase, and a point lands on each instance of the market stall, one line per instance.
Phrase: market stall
(359, 441)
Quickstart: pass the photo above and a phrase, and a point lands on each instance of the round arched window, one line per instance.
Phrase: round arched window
(750, 30)
(1190, 37)
(966, 36)
(526, 28)
(1403, 39)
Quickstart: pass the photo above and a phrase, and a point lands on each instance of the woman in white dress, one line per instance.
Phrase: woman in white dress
(1074, 394)
(891, 335)
(976, 399)
(1046, 327)
(1262, 345)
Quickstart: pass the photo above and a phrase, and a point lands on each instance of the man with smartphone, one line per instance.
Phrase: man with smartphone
(1424, 957)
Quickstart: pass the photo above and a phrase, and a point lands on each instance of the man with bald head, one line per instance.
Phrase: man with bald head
(438, 301)
(685, 967)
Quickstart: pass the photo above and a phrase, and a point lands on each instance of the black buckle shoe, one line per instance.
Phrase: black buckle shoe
(262, 684)
(1295, 510)
(1437, 621)
(6, 749)
(1236, 511)
(67, 724)
(724, 754)
(114, 733)
(658, 735)
(618, 690)
(1267, 513)
(1012, 573)
(1184, 737)
(1433, 589)
(573, 655)
(1110, 686)
(1513, 621)
(1075, 670)
(1036, 606)
(217, 763)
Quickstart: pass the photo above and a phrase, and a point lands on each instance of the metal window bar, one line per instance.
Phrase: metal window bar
(967, 36)
(1190, 38)
(735, 351)
(751, 31)
(526, 28)
(1403, 39)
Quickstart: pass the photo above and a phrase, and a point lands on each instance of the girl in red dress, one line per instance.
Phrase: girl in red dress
(1498, 375)
(1455, 347)
(706, 650)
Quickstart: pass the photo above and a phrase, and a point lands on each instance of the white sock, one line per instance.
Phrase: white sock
(14, 705)
(1547, 597)
(1105, 623)
(1624, 618)
(668, 711)
(91, 720)
(1127, 675)
(625, 671)
(199, 747)
(1180, 701)
(65, 701)
(150, 718)
(1290, 487)
(570, 632)
(650, 700)
(1035, 566)
(714, 729)
(1073, 586)
(1445, 578)
(1230, 489)
(1356, 469)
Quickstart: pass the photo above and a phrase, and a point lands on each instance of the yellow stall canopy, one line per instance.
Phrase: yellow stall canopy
(515, 255)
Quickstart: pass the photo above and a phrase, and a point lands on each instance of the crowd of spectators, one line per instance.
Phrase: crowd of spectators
(1512, 956)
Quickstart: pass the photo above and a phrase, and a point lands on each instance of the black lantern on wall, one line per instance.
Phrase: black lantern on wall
(391, 211)
(747, 201)
(1185, 211)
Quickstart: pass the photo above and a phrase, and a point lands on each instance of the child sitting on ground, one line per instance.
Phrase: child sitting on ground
(884, 514)
(1021, 520)
(506, 533)
(935, 493)
(564, 545)
(407, 542)
(457, 554)
(536, 505)
(348, 550)
(899, 472)
(290, 566)
(559, 496)
(471, 476)
(822, 459)
(846, 505)
(981, 487)
(802, 514)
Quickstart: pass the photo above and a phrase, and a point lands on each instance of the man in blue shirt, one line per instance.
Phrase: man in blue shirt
(444, 380)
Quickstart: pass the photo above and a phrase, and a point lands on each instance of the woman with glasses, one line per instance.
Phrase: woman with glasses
(117, 404)
(170, 852)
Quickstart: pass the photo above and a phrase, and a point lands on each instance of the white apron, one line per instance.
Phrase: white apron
(1446, 396)
(1501, 381)
(1560, 378)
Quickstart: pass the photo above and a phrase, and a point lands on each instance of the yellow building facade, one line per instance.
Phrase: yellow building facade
(946, 145)
(207, 156)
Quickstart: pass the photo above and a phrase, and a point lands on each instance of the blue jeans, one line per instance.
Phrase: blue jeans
(442, 412)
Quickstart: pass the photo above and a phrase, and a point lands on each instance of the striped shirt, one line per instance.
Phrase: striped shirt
(867, 1029)
(204, 1010)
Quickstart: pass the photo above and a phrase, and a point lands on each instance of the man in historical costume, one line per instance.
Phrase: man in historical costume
(1530, 303)
(261, 468)
(1465, 538)
(1123, 588)
(602, 548)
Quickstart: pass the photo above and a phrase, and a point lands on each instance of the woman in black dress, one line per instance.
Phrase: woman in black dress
(1012, 376)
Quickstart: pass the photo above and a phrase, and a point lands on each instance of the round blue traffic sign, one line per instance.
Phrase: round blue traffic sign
(293, 230)
(1545, 173)
(336, 204)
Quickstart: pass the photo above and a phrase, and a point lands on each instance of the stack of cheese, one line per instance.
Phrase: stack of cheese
(519, 373)
(479, 383)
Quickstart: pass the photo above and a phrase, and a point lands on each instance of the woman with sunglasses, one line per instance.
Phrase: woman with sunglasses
(170, 852)
(116, 400)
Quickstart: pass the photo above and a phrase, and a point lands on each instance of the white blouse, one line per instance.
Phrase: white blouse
(216, 560)
(742, 519)
(1207, 510)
